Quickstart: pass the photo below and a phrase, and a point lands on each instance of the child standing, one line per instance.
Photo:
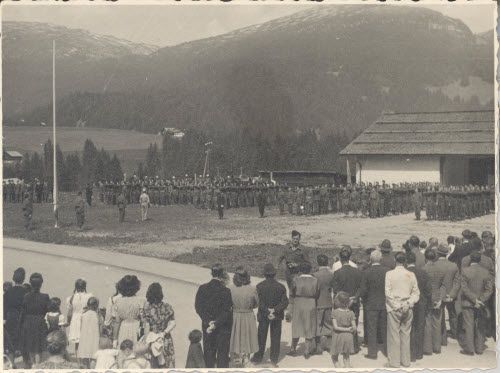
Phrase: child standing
(54, 318)
(195, 357)
(344, 326)
(105, 357)
(89, 333)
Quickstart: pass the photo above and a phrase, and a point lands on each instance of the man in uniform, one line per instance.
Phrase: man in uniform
(88, 194)
(417, 203)
(373, 202)
(261, 201)
(122, 205)
(144, 202)
(27, 211)
(294, 254)
(281, 200)
(80, 211)
(220, 200)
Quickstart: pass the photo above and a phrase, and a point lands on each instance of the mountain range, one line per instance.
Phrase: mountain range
(331, 68)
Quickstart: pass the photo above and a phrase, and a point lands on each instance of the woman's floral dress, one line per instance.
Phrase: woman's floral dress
(158, 316)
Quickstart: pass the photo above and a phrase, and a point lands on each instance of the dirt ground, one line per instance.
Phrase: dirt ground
(175, 230)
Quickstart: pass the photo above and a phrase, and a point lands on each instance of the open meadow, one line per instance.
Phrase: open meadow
(188, 235)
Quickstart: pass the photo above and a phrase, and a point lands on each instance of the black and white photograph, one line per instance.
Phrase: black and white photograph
(249, 185)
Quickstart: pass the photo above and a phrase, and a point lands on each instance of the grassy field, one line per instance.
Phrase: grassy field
(188, 235)
(129, 146)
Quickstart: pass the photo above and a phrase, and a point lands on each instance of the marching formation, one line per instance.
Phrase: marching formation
(404, 297)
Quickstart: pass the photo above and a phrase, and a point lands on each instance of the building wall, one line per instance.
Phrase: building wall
(397, 169)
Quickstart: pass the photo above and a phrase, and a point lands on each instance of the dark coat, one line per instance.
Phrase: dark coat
(424, 286)
(476, 283)
(388, 260)
(460, 252)
(372, 288)
(271, 294)
(325, 279)
(347, 279)
(213, 303)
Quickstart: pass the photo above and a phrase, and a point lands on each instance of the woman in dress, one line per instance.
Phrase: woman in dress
(158, 318)
(89, 336)
(56, 345)
(108, 320)
(305, 289)
(244, 332)
(126, 311)
(33, 326)
(76, 303)
(13, 305)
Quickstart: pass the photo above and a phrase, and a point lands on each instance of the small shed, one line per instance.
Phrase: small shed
(11, 156)
(451, 148)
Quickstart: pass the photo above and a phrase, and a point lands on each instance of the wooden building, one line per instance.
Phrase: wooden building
(451, 148)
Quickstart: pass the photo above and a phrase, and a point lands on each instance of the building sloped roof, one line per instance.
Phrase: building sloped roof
(13, 153)
(440, 133)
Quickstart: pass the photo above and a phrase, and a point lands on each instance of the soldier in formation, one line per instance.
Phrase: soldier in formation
(360, 200)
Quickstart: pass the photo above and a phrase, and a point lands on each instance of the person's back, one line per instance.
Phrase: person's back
(477, 283)
(325, 278)
(272, 295)
(372, 289)
(195, 356)
(346, 279)
(388, 260)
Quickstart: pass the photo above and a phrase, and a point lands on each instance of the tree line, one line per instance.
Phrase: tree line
(245, 151)
(73, 170)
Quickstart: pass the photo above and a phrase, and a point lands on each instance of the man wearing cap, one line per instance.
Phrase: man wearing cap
(261, 201)
(401, 294)
(387, 259)
(294, 254)
(121, 202)
(144, 202)
(324, 304)
(272, 304)
(80, 210)
(372, 293)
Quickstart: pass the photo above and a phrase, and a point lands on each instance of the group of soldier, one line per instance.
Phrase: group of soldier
(365, 200)
(15, 191)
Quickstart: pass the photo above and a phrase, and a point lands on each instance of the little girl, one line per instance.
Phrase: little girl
(54, 318)
(89, 333)
(344, 326)
(195, 357)
(105, 357)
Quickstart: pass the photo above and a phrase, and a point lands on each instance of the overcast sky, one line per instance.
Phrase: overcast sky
(165, 25)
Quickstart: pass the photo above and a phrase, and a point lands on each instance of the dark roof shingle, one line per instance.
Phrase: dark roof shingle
(441, 133)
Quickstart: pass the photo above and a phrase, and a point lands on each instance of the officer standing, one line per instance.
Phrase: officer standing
(122, 205)
(27, 211)
(144, 202)
(261, 201)
(80, 211)
(220, 200)
(417, 202)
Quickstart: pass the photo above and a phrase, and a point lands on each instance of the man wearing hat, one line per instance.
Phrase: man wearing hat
(272, 304)
(387, 259)
(294, 254)
(414, 247)
(144, 202)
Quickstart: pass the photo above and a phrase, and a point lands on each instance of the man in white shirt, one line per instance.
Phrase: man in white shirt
(144, 202)
(337, 265)
(401, 293)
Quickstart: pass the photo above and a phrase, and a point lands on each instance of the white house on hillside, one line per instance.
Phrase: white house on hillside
(451, 148)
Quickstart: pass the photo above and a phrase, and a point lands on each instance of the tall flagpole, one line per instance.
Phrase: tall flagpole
(54, 127)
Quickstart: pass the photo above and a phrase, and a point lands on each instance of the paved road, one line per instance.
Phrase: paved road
(60, 273)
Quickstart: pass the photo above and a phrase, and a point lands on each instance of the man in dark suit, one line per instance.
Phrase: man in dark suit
(414, 247)
(387, 259)
(272, 304)
(372, 293)
(348, 279)
(477, 287)
(214, 306)
(419, 309)
(324, 304)
(432, 333)
(462, 250)
(450, 271)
